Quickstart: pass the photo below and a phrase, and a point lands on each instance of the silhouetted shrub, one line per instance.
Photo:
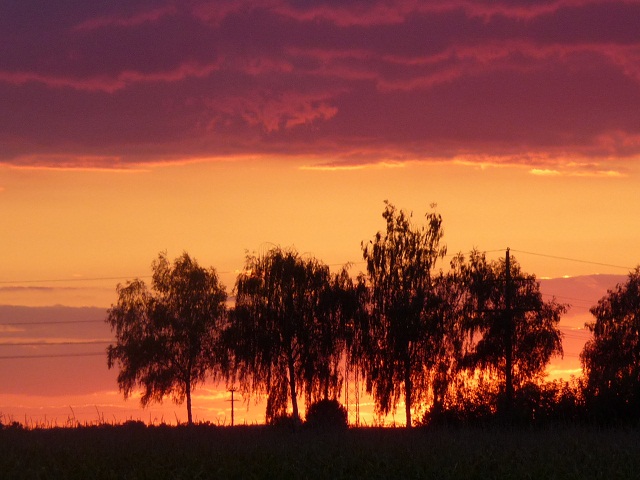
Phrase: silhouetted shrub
(459, 415)
(553, 402)
(611, 406)
(548, 403)
(134, 424)
(285, 422)
(472, 403)
(327, 414)
(12, 426)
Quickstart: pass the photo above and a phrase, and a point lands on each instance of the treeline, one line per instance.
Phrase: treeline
(469, 344)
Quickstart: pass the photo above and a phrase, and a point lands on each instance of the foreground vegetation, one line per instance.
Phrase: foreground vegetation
(202, 451)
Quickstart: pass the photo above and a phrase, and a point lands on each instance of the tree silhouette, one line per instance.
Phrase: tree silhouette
(446, 309)
(327, 346)
(611, 359)
(167, 336)
(401, 343)
(516, 331)
(279, 311)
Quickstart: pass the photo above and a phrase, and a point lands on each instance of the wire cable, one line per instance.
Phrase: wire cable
(123, 277)
(52, 322)
(76, 279)
(61, 355)
(53, 344)
(573, 260)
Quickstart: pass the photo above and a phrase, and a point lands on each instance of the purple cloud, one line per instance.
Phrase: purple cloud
(550, 84)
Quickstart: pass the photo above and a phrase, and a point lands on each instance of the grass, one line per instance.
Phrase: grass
(111, 452)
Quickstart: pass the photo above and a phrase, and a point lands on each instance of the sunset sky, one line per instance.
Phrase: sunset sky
(217, 127)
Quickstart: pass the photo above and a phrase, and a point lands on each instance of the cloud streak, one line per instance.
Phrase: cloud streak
(551, 86)
(109, 85)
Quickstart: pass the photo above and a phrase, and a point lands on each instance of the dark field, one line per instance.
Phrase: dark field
(258, 452)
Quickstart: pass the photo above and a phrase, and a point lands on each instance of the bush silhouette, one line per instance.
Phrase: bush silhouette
(327, 414)
(284, 422)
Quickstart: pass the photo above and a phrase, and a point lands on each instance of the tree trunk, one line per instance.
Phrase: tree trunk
(292, 389)
(408, 392)
(188, 390)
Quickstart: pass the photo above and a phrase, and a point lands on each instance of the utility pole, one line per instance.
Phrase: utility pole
(233, 401)
(508, 325)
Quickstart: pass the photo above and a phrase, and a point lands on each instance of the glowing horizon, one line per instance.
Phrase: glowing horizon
(219, 127)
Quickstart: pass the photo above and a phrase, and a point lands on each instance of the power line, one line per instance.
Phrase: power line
(123, 277)
(63, 322)
(53, 344)
(76, 279)
(52, 322)
(573, 329)
(576, 337)
(566, 298)
(99, 279)
(585, 306)
(573, 260)
(61, 355)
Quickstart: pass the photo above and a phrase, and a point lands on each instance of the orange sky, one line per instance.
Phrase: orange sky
(70, 224)
(75, 234)
(217, 127)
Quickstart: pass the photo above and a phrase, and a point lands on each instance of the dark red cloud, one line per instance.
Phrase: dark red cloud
(550, 84)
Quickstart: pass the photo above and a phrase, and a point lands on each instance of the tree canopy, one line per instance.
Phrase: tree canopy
(514, 331)
(167, 336)
(611, 359)
(403, 332)
(282, 333)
